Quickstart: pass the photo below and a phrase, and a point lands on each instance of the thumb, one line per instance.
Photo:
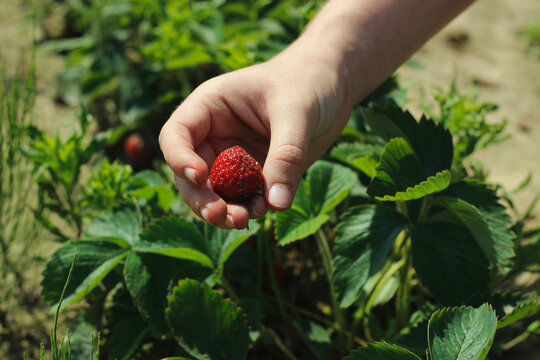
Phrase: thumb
(286, 161)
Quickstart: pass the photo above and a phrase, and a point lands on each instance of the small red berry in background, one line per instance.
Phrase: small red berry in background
(136, 150)
(235, 174)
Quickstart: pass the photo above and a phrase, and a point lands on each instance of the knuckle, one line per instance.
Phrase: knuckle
(290, 155)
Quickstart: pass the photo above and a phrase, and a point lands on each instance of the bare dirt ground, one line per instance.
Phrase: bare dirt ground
(481, 46)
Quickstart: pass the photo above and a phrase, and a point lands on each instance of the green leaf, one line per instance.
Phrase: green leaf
(431, 142)
(317, 337)
(326, 186)
(329, 184)
(222, 243)
(183, 253)
(149, 177)
(302, 199)
(432, 185)
(67, 44)
(123, 224)
(205, 324)
(126, 337)
(449, 262)
(176, 238)
(522, 311)
(92, 280)
(95, 260)
(500, 225)
(164, 195)
(474, 221)
(293, 225)
(366, 235)
(381, 351)
(461, 333)
(360, 156)
(398, 170)
(150, 278)
(80, 334)
(254, 314)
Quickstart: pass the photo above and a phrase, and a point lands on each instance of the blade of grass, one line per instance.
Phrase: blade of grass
(54, 342)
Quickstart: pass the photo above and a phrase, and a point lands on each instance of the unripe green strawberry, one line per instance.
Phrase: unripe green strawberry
(235, 174)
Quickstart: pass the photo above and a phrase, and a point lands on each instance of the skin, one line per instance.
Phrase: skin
(288, 111)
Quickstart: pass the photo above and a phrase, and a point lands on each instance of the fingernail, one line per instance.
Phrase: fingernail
(204, 213)
(190, 174)
(230, 220)
(279, 196)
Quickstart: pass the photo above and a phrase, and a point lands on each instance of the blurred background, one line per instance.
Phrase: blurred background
(130, 62)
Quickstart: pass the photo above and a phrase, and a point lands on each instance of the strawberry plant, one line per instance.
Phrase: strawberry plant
(57, 167)
(131, 61)
(390, 250)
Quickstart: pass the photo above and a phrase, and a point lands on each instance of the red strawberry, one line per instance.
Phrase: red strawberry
(235, 174)
(135, 149)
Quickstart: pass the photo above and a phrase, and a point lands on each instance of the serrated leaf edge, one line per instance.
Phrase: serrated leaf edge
(445, 310)
(399, 196)
(500, 322)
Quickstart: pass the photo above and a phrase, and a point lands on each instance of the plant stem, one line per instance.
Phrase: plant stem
(312, 315)
(393, 264)
(402, 300)
(534, 326)
(275, 338)
(387, 272)
(326, 254)
(269, 262)
(395, 267)
(402, 209)
(229, 289)
(259, 247)
(54, 341)
(424, 210)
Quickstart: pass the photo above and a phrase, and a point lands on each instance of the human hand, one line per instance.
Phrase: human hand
(284, 112)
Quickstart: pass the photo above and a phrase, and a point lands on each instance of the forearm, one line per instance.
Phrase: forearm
(364, 41)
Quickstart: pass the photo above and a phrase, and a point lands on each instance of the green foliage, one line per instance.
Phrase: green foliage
(430, 142)
(66, 199)
(389, 245)
(325, 187)
(461, 333)
(523, 310)
(115, 248)
(369, 251)
(483, 198)
(197, 313)
(133, 61)
(381, 351)
(453, 333)
(366, 236)
(108, 187)
(63, 351)
(466, 119)
(57, 171)
(440, 246)
(531, 36)
(362, 157)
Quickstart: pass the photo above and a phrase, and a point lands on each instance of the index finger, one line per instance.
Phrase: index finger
(187, 127)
